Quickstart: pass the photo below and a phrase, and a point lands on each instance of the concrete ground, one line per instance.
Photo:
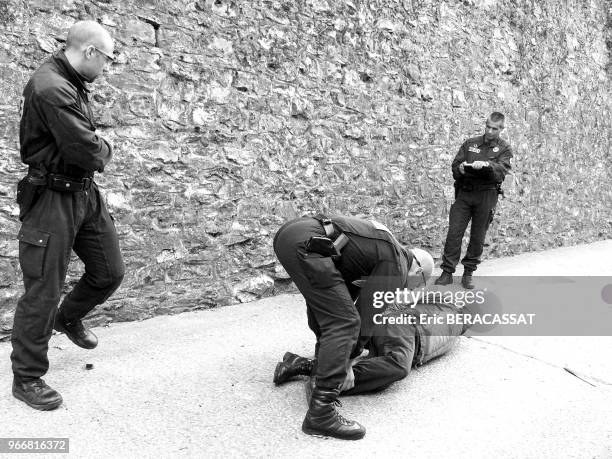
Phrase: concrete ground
(200, 385)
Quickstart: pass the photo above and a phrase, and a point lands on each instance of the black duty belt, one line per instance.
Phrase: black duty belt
(68, 184)
(472, 187)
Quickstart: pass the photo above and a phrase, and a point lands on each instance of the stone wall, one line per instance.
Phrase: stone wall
(230, 117)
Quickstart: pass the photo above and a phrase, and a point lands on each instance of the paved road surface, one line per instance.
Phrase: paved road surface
(200, 385)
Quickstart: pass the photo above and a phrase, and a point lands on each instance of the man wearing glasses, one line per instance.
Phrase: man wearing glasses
(61, 209)
(339, 264)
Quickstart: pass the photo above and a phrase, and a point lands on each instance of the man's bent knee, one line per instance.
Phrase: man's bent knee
(104, 282)
(114, 283)
(350, 324)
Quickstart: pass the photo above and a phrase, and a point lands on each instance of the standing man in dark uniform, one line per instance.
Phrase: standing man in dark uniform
(61, 209)
(478, 169)
(328, 260)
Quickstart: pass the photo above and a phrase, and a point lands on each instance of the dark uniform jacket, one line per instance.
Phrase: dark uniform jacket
(57, 131)
(375, 256)
(359, 260)
(497, 153)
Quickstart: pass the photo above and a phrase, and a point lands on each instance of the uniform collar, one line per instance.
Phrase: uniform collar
(482, 141)
(69, 71)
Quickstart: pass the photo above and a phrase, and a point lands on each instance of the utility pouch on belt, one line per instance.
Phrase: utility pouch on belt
(325, 246)
(28, 190)
(321, 245)
(330, 245)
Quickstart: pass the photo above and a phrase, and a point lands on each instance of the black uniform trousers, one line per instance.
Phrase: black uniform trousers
(57, 223)
(478, 206)
(332, 315)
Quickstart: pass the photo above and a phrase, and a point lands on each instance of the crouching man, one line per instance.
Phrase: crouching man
(399, 342)
(328, 259)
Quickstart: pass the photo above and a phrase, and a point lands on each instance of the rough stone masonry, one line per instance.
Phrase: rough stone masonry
(229, 117)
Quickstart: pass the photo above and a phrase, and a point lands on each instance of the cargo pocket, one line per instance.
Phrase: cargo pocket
(32, 249)
(320, 270)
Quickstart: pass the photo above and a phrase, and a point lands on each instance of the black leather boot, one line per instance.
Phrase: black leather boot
(76, 332)
(291, 366)
(323, 419)
(36, 394)
(445, 278)
(467, 281)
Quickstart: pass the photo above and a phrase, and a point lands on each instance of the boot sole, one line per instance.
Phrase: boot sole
(47, 407)
(316, 433)
(276, 371)
(60, 328)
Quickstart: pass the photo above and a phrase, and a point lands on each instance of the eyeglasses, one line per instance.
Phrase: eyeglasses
(107, 56)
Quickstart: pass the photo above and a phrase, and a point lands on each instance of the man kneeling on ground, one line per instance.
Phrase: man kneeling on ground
(397, 345)
(328, 260)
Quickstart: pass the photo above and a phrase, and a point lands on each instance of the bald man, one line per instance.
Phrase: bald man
(61, 210)
(339, 264)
